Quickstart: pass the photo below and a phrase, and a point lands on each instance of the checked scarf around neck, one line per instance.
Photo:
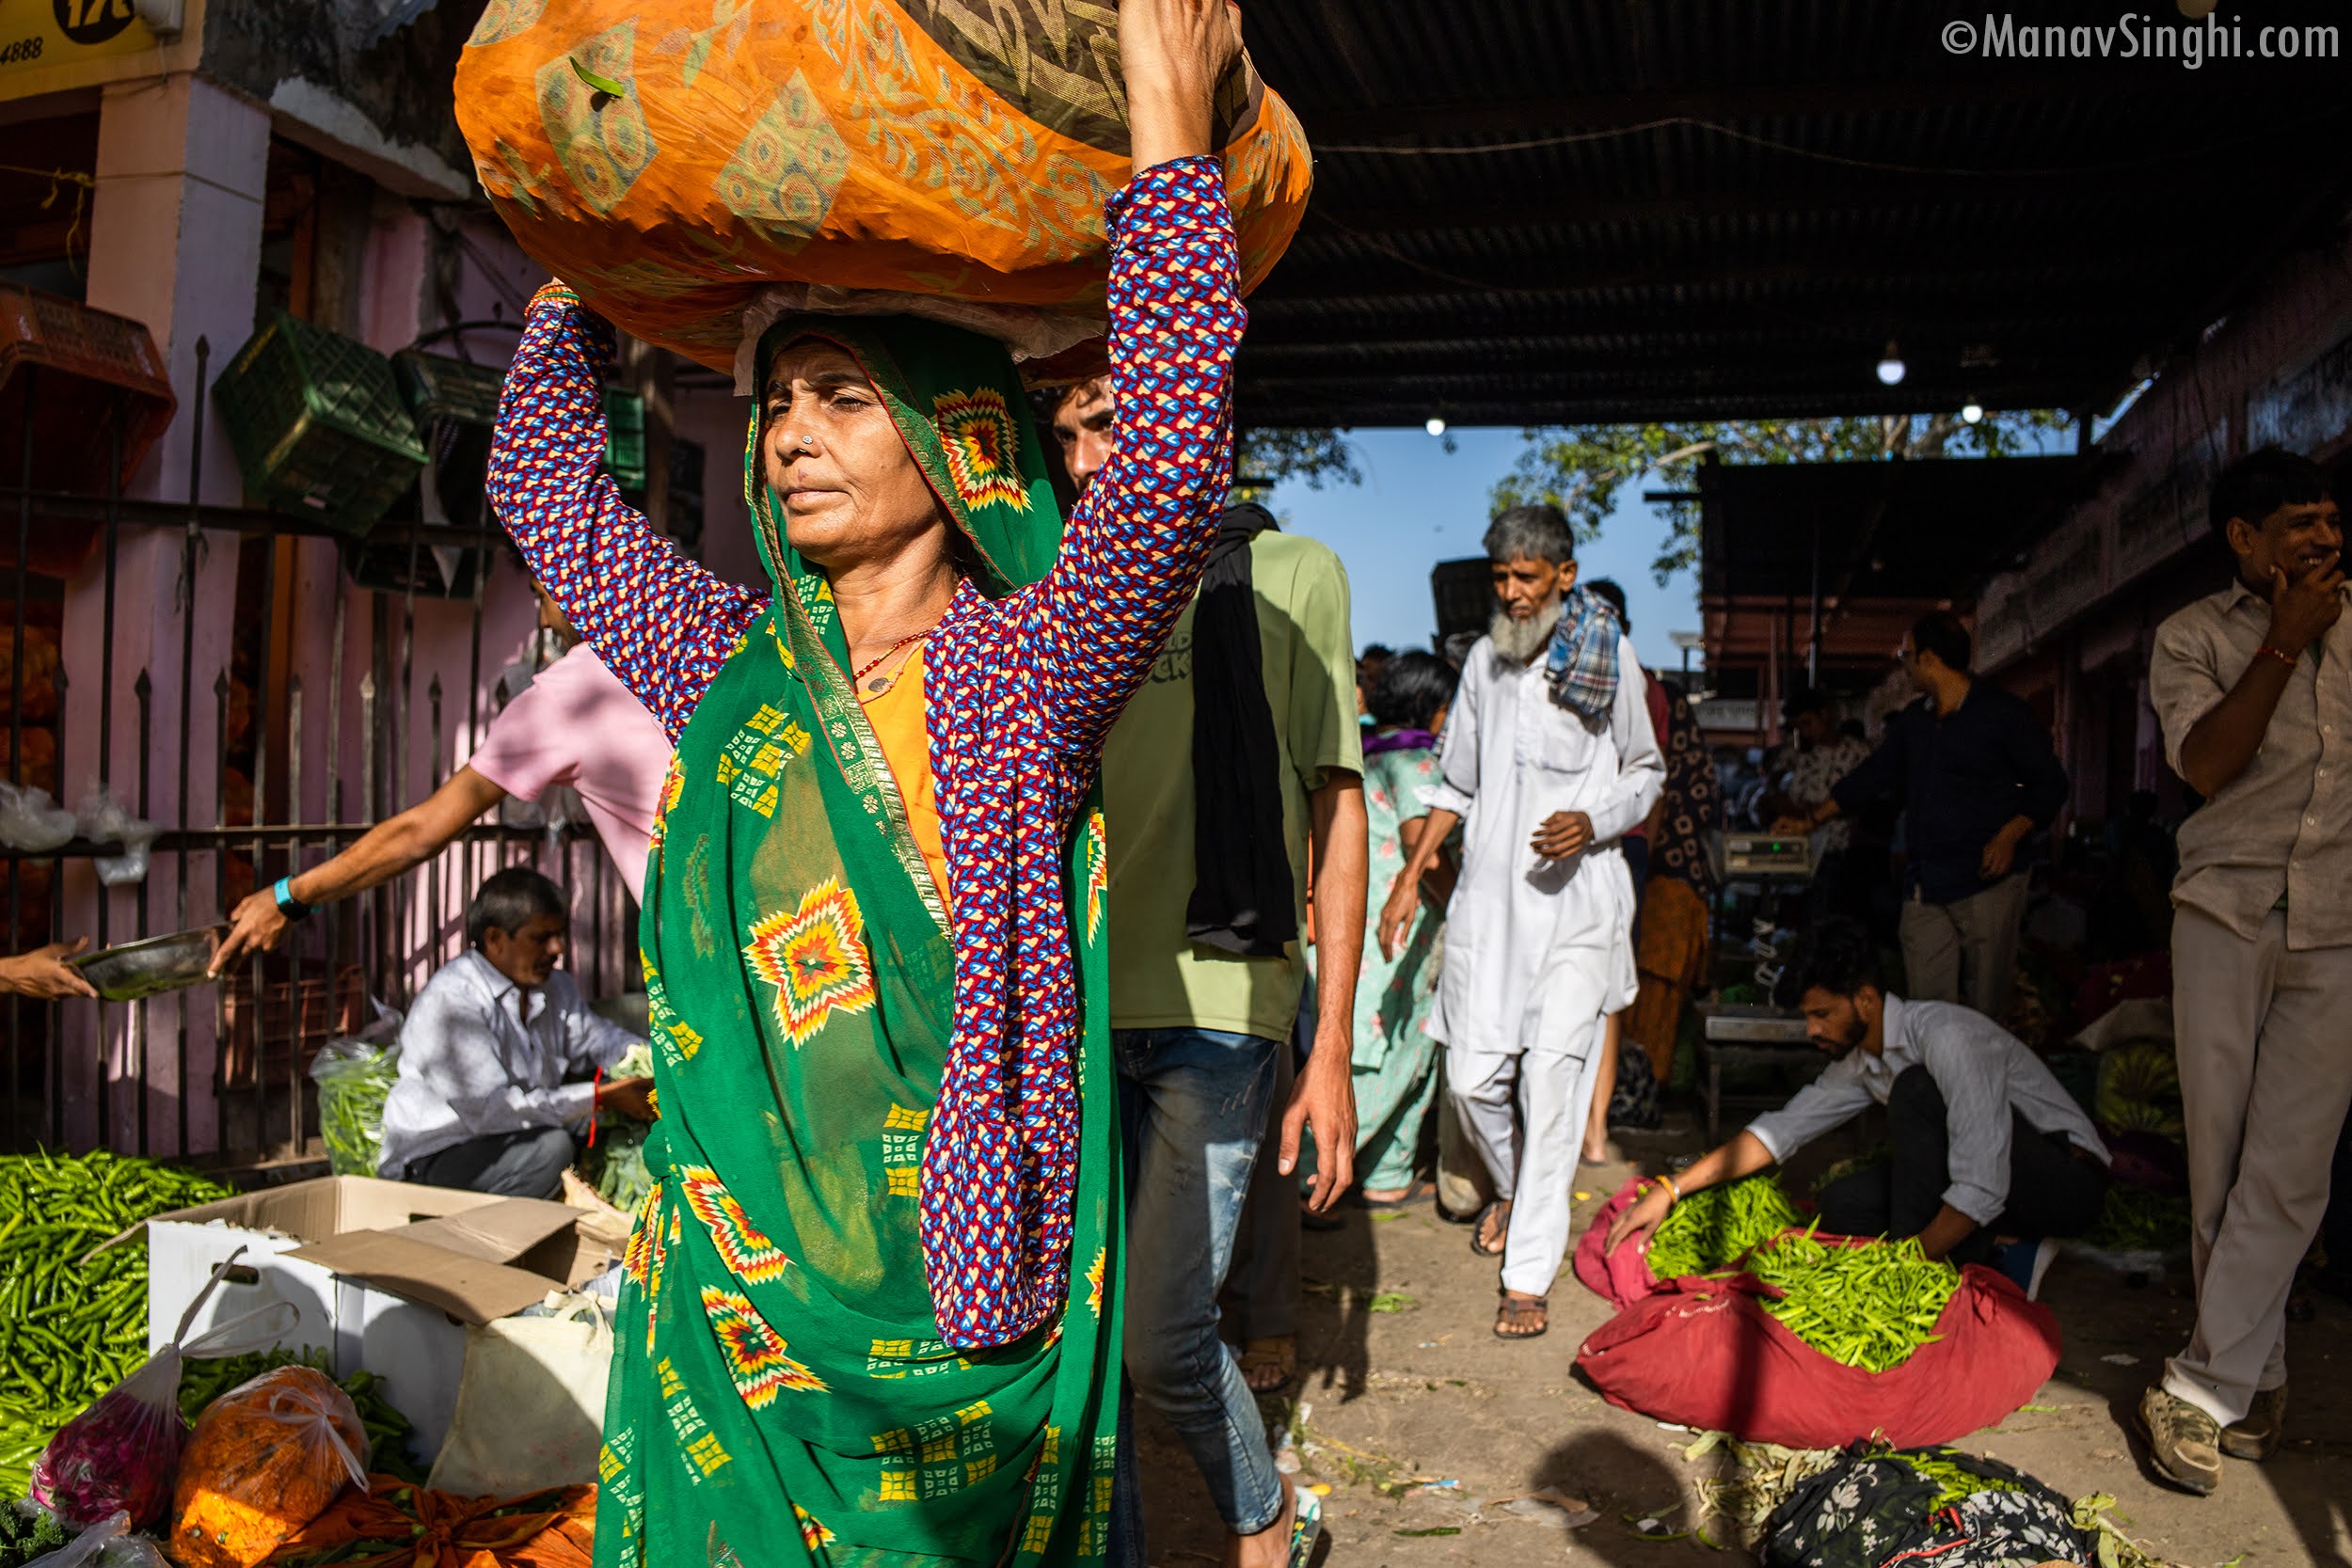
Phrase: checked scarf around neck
(1581, 665)
(870, 1311)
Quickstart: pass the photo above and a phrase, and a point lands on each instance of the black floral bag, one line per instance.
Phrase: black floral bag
(1875, 1508)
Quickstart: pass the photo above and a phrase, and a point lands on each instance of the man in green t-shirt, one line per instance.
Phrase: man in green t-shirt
(1202, 1024)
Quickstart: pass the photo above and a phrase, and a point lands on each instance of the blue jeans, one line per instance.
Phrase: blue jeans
(1193, 1107)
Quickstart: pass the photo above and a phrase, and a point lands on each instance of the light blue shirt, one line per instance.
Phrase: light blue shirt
(1984, 1073)
(474, 1061)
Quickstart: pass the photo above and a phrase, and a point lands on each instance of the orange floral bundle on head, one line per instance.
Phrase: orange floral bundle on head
(395, 1525)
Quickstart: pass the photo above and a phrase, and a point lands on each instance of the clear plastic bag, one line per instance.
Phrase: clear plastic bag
(31, 821)
(120, 1454)
(108, 1543)
(355, 1079)
(103, 819)
(266, 1459)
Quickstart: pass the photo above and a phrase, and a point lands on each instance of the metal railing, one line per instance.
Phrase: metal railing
(166, 1079)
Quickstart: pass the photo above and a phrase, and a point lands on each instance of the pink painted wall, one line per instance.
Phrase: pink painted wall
(717, 418)
(176, 238)
(179, 171)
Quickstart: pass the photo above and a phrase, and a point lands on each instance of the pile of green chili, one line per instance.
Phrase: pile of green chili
(1717, 1226)
(71, 1325)
(2134, 1219)
(1867, 1303)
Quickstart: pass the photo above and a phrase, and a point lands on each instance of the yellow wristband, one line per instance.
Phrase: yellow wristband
(1672, 1186)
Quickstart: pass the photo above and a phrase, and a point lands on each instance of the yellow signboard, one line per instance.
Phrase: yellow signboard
(39, 37)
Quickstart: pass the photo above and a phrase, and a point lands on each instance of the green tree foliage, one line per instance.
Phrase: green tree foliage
(1580, 468)
(1314, 457)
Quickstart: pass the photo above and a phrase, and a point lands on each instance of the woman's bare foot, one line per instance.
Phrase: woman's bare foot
(1271, 1546)
(1386, 1194)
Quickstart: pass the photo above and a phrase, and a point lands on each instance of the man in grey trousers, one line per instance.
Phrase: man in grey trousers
(2253, 687)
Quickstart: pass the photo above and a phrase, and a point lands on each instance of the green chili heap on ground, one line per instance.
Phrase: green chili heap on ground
(2137, 1220)
(1867, 1304)
(70, 1329)
(1716, 1225)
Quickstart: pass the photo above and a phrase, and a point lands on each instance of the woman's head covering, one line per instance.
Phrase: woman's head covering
(959, 406)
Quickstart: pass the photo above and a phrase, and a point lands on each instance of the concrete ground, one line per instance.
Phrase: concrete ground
(1430, 1431)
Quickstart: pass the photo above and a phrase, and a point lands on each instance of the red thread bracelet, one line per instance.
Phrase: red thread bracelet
(2279, 654)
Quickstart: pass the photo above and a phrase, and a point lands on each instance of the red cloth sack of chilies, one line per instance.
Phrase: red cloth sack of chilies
(1705, 1354)
(1621, 1277)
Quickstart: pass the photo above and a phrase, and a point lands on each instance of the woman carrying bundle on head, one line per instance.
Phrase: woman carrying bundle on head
(871, 1305)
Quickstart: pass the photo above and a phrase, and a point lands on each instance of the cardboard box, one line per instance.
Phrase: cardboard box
(384, 1274)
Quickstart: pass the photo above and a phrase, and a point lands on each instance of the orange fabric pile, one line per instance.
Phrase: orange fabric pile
(395, 1525)
(669, 159)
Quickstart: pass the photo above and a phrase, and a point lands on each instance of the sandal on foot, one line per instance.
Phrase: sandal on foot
(1478, 1232)
(1277, 1353)
(1514, 1314)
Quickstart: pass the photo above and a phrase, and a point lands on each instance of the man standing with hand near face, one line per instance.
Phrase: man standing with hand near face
(1548, 757)
(2253, 687)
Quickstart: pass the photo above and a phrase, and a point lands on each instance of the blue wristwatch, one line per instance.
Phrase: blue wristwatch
(287, 904)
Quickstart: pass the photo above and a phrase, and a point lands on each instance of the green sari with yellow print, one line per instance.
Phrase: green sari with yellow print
(780, 1392)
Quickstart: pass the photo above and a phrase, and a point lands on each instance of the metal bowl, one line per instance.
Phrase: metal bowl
(154, 965)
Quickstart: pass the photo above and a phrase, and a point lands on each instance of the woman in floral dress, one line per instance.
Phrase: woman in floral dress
(1396, 1062)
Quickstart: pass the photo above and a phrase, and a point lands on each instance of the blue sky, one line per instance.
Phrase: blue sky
(1420, 504)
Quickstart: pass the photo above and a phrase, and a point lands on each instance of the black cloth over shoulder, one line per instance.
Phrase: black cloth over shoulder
(1243, 898)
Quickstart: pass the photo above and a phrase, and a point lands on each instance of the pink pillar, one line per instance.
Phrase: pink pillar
(180, 175)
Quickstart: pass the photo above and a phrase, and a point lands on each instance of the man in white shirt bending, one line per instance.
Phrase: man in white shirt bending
(1547, 759)
(1990, 1156)
(501, 1061)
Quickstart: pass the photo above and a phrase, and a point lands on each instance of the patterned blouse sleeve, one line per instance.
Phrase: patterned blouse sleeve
(1138, 538)
(662, 622)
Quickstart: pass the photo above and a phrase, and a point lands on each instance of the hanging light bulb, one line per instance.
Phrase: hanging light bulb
(1435, 426)
(1891, 366)
(1971, 412)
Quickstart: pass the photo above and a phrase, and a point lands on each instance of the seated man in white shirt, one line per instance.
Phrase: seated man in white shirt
(1991, 1156)
(501, 1060)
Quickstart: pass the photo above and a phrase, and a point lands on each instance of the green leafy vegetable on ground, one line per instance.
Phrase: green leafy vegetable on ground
(1868, 1304)
(71, 1326)
(616, 1167)
(1717, 1226)
(28, 1533)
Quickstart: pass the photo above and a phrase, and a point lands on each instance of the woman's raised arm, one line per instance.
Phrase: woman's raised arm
(660, 622)
(1133, 553)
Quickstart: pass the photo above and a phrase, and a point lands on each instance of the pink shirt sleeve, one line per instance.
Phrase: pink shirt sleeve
(529, 746)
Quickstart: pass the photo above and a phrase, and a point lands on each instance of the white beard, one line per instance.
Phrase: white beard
(1521, 641)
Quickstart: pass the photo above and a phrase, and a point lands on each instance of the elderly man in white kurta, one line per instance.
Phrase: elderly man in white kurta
(1546, 758)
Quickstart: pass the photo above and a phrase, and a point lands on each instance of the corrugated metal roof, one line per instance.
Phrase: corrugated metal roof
(2032, 232)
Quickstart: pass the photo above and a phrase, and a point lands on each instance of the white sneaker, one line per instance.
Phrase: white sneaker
(2043, 1254)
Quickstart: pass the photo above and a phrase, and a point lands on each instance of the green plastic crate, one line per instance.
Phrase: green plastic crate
(442, 391)
(318, 425)
(625, 438)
